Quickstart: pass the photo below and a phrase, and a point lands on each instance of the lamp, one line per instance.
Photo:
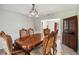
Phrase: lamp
(33, 12)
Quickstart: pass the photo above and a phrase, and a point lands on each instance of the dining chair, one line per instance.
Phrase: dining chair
(46, 31)
(23, 33)
(51, 44)
(55, 45)
(31, 31)
(8, 46)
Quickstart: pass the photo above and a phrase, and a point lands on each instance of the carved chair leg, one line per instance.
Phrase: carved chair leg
(54, 51)
(27, 53)
(50, 53)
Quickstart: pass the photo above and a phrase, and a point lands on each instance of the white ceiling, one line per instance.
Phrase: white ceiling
(42, 9)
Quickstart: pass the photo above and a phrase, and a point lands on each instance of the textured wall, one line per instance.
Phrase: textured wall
(11, 22)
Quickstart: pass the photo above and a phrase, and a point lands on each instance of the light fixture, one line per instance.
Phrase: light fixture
(33, 12)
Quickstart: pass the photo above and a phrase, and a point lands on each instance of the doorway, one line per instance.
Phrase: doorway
(51, 23)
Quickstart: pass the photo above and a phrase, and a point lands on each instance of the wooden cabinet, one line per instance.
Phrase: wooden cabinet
(70, 32)
(72, 42)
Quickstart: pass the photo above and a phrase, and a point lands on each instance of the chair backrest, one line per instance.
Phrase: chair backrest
(31, 31)
(7, 43)
(49, 42)
(23, 33)
(45, 41)
(46, 31)
(2, 33)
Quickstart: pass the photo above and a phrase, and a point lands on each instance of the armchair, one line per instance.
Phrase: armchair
(8, 46)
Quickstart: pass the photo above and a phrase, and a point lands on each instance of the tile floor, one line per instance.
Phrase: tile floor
(63, 49)
(67, 51)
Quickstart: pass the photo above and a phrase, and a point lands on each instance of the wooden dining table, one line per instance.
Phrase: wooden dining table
(30, 42)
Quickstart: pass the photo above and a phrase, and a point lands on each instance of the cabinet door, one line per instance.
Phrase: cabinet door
(65, 39)
(65, 26)
(72, 42)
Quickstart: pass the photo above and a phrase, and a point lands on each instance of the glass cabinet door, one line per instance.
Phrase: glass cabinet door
(72, 25)
(66, 26)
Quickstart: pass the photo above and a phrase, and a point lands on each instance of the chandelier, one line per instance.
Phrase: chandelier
(33, 12)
